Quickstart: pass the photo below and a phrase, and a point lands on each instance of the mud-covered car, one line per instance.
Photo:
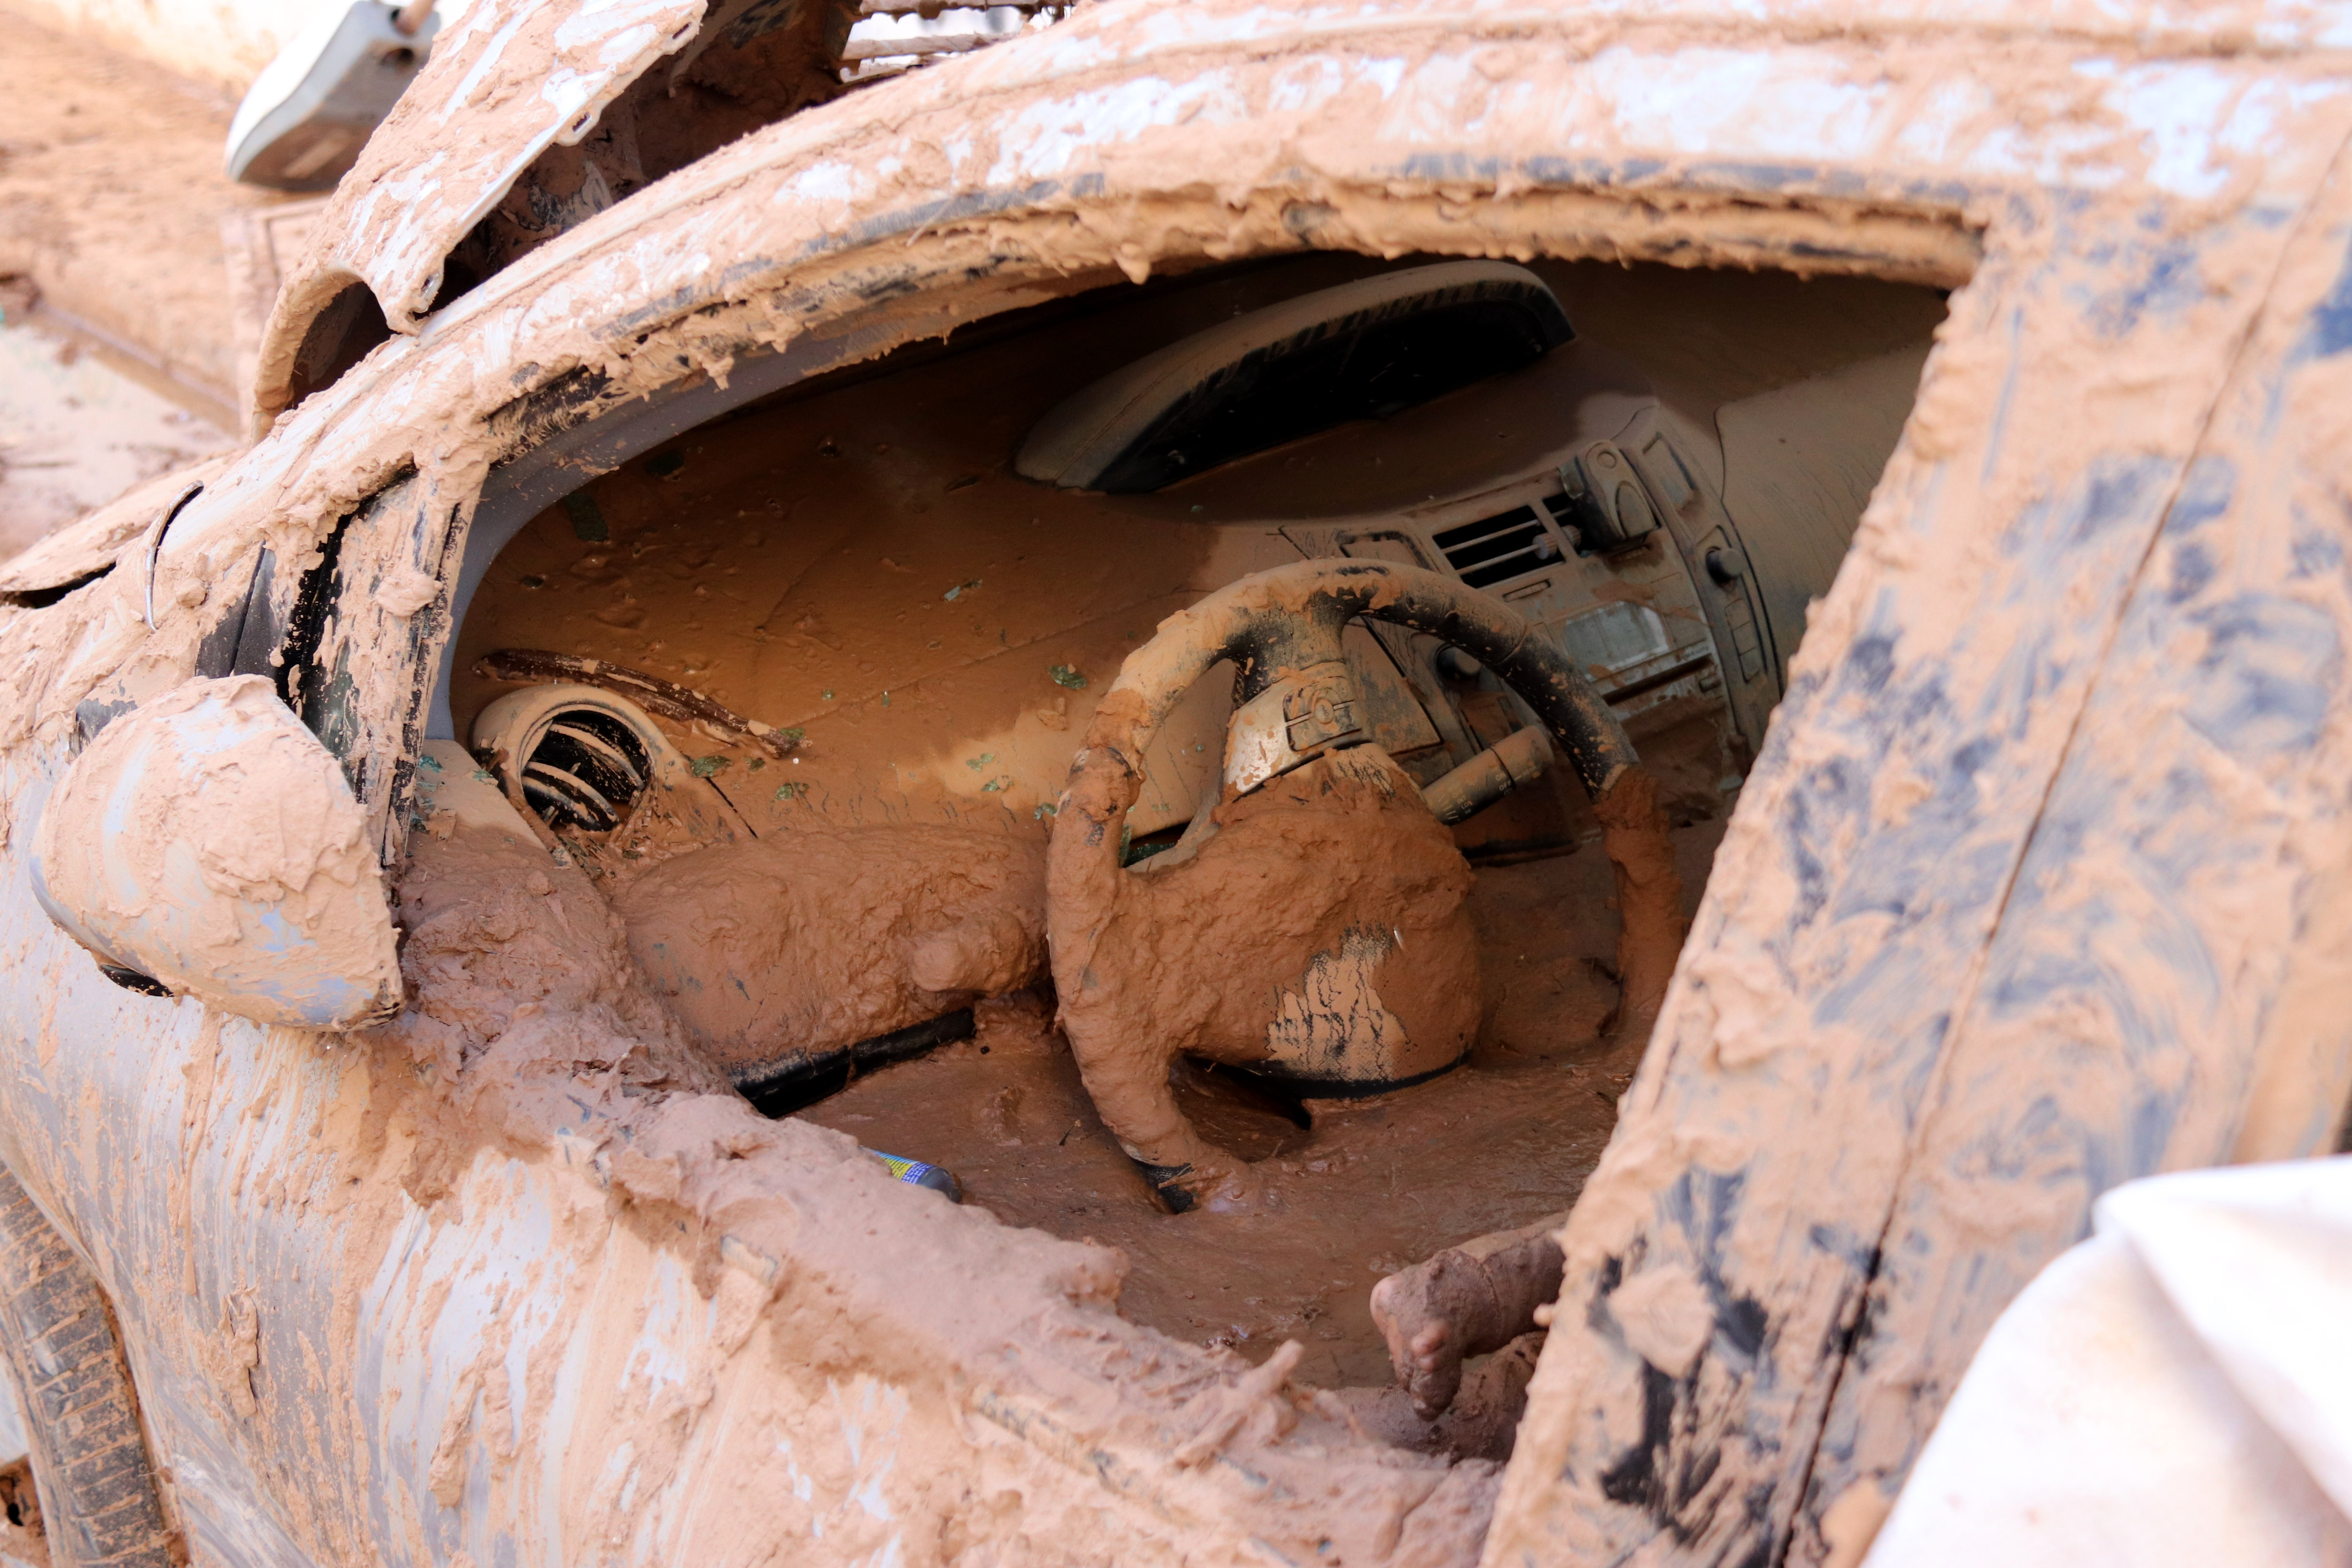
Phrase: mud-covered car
(933, 815)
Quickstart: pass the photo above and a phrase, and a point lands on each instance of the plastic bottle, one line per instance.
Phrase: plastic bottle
(937, 1178)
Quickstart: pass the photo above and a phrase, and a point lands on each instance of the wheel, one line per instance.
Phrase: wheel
(97, 1496)
(1312, 927)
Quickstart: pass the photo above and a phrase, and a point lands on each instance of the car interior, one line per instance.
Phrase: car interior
(801, 690)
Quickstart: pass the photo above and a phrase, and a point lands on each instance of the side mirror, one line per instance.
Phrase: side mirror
(208, 845)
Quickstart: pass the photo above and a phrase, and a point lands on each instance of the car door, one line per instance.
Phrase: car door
(148, 641)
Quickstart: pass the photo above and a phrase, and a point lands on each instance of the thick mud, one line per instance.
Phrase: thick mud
(773, 953)
(1370, 1187)
(1319, 930)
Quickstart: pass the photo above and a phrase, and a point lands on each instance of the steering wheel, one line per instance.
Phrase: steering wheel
(1320, 844)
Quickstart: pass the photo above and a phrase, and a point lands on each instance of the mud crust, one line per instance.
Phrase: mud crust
(98, 1501)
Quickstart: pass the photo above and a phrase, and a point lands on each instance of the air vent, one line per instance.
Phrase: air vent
(588, 769)
(1498, 549)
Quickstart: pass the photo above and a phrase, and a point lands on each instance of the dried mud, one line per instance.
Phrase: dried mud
(498, 934)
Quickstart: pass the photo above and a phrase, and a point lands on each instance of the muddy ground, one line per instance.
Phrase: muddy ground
(111, 199)
(77, 429)
(118, 342)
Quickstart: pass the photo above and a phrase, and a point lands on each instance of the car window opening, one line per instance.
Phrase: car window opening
(799, 691)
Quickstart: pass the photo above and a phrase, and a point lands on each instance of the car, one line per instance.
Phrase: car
(877, 779)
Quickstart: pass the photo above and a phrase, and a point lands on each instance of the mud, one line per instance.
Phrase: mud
(773, 953)
(840, 1302)
(862, 567)
(111, 198)
(202, 838)
(1651, 910)
(76, 431)
(530, 1017)
(1467, 1301)
(497, 934)
(1321, 930)
(1479, 1423)
(1370, 1188)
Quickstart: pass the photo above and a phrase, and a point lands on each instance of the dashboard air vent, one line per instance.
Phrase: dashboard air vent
(1497, 548)
(588, 768)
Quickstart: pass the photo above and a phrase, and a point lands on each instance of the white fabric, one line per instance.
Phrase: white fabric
(2175, 1391)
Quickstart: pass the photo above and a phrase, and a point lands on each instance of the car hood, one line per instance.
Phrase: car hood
(506, 81)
